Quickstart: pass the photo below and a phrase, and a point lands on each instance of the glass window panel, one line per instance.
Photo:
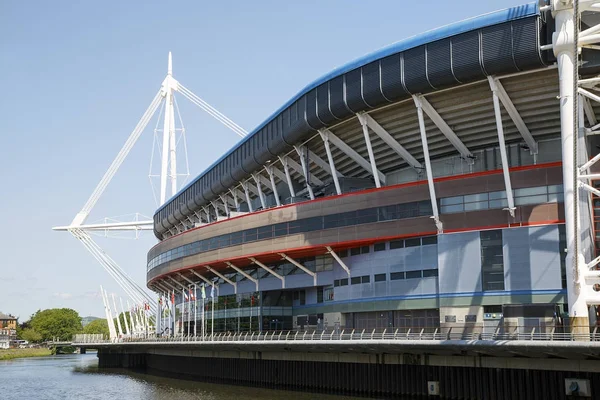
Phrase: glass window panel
(379, 246)
(497, 195)
(446, 201)
(556, 198)
(519, 201)
(264, 232)
(336, 283)
(555, 189)
(342, 253)
(503, 203)
(280, 229)
(452, 209)
(379, 277)
(531, 191)
(429, 273)
(413, 274)
(355, 280)
(480, 205)
(365, 250)
(414, 242)
(249, 235)
(429, 240)
(355, 251)
(344, 282)
(396, 244)
(476, 197)
(394, 276)
(366, 279)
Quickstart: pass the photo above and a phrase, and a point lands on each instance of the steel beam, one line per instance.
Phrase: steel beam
(203, 278)
(372, 161)
(494, 85)
(302, 267)
(247, 193)
(249, 277)
(269, 270)
(338, 259)
(217, 273)
(432, 196)
(285, 162)
(325, 137)
(589, 111)
(350, 152)
(424, 105)
(305, 169)
(389, 140)
(176, 282)
(269, 170)
(191, 282)
(261, 195)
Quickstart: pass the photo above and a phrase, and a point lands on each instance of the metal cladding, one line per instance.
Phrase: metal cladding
(498, 43)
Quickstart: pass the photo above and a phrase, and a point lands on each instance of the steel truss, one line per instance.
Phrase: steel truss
(80, 230)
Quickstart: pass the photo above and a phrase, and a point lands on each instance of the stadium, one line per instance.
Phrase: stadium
(428, 185)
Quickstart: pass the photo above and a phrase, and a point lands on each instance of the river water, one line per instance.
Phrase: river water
(77, 377)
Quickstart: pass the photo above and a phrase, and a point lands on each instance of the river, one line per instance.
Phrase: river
(77, 377)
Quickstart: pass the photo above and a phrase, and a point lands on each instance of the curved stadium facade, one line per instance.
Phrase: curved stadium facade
(417, 187)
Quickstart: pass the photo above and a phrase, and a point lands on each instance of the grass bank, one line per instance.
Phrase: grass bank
(22, 353)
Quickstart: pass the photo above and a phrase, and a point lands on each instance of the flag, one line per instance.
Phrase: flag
(192, 297)
(173, 297)
(185, 296)
(212, 292)
(203, 292)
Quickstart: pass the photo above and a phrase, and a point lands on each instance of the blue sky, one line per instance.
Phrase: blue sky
(76, 78)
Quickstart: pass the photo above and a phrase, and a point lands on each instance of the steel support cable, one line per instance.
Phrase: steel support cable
(131, 292)
(122, 154)
(212, 111)
(576, 29)
(106, 266)
(134, 291)
(214, 115)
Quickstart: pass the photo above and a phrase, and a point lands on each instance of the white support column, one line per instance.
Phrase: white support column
(168, 95)
(500, 92)
(325, 137)
(225, 204)
(502, 144)
(436, 215)
(339, 260)
(350, 152)
(269, 270)
(269, 170)
(217, 273)
(234, 193)
(261, 195)
(365, 129)
(389, 140)
(302, 267)
(247, 276)
(301, 150)
(285, 162)
(563, 44)
(247, 192)
(424, 105)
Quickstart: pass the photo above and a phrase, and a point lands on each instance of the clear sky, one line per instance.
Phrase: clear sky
(77, 76)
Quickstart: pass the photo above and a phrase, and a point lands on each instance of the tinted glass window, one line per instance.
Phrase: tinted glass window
(355, 280)
(413, 242)
(355, 251)
(429, 240)
(379, 246)
(430, 272)
(413, 274)
(394, 276)
(379, 277)
(396, 244)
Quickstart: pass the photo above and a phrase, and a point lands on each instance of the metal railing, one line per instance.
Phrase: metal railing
(437, 334)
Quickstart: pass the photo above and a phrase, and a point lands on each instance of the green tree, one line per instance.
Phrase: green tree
(97, 326)
(60, 323)
(30, 335)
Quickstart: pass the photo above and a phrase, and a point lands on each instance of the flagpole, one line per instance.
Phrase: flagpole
(189, 311)
(212, 317)
(182, 309)
(195, 311)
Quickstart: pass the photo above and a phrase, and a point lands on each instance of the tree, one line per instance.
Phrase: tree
(59, 323)
(30, 335)
(97, 326)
